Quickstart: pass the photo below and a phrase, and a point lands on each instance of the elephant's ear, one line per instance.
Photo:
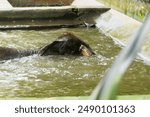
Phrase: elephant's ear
(46, 50)
(43, 50)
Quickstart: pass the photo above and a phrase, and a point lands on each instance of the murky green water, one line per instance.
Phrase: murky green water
(44, 77)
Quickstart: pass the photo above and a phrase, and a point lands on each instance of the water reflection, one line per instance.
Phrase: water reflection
(43, 77)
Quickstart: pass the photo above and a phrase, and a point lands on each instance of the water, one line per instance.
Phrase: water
(50, 76)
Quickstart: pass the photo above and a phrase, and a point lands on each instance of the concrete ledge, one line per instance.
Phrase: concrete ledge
(50, 12)
(46, 16)
(54, 16)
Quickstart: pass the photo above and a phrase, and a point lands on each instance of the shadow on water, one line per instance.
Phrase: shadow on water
(43, 77)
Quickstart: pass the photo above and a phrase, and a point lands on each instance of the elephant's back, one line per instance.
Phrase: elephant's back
(8, 53)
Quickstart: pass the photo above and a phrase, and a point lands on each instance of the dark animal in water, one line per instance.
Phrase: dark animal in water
(66, 44)
(11, 53)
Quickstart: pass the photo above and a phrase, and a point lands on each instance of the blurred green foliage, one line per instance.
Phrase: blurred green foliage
(134, 8)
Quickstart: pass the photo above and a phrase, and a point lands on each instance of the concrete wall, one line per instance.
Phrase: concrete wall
(27, 3)
(122, 28)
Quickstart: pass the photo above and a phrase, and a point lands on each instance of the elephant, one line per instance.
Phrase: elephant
(66, 44)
